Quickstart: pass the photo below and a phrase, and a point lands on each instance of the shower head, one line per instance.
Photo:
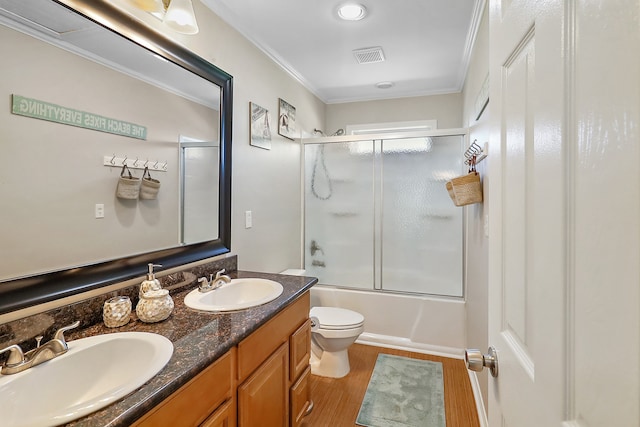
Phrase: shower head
(336, 133)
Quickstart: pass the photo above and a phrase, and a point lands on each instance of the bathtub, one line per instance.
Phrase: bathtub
(411, 322)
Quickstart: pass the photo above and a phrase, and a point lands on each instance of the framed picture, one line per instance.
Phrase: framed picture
(286, 119)
(260, 120)
(483, 98)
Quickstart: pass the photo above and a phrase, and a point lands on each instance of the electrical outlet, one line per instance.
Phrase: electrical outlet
(99, 210)
(248, 219)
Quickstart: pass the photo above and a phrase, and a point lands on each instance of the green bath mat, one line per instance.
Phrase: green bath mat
(403, 392)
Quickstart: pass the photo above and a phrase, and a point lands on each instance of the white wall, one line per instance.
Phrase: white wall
(476, 240)
(447, 109)
(266, 182)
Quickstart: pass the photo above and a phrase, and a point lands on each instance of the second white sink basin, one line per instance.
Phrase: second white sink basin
(236, 295)
(94, 373)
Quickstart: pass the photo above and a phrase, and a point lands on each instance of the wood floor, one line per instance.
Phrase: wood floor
(337, 401)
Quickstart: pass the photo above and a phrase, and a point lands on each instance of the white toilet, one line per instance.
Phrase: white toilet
(333, 330)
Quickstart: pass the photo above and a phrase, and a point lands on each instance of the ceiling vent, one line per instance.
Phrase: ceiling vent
(369, 55)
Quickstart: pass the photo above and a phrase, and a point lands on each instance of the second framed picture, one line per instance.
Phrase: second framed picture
(286, 119)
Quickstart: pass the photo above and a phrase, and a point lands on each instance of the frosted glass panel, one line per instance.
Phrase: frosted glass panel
(200, 184)
(421, 228)
(339, 213)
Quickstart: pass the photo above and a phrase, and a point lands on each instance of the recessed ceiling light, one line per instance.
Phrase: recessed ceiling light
(352, 12)
(384, 85)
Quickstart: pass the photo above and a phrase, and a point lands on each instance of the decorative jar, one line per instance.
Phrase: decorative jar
(154, 306)
(116, 311)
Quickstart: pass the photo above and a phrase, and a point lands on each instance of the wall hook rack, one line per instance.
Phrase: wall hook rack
(134, 163)
(475, 150)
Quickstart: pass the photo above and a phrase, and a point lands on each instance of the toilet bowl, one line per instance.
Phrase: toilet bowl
(333, 331)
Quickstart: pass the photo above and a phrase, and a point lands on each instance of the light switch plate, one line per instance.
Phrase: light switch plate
(486, 225)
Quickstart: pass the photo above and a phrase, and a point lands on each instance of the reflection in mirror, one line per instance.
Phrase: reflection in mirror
(199, 189)
(91, 100)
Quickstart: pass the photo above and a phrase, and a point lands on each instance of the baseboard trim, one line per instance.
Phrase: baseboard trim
(477, 395)
(400, 343)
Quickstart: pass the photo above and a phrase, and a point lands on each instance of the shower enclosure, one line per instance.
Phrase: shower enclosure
(377, 213)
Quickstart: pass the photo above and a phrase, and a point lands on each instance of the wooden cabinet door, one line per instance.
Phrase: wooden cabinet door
(224, 416)
(300, 398)
(263, 399)
(300, 350)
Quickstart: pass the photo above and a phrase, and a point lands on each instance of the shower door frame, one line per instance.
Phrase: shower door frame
(377, 222)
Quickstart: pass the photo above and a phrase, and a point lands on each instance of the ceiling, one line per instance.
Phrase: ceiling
(426, 43)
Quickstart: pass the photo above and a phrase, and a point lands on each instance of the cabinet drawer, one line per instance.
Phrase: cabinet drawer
(258, 346)
(300, 348)
(192, 403)
(300, 398)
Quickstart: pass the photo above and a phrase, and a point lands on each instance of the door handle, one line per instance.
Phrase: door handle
(476, 361)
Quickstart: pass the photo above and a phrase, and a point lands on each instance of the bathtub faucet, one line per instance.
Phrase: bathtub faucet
(315, 247)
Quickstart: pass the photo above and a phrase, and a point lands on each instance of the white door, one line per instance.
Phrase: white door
(527, 212)
(564, 206)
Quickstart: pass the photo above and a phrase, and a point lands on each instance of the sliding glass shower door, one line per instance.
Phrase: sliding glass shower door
(421, 232)
(378, 216)
(339, 213)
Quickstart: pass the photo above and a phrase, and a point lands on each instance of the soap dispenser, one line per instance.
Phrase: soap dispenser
(155, 303)
(151, 283)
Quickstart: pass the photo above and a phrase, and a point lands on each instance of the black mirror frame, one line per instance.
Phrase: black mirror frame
(29, 291)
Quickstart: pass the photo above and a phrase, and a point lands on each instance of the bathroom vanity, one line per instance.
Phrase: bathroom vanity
(248, 367)
(264, 379)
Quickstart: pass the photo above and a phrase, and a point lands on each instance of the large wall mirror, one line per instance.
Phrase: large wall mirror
(86, 90)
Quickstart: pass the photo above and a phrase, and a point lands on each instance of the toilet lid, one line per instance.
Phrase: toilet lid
(337, 318)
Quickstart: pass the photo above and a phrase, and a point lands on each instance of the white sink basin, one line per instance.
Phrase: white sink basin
(236, 295)
(94, 373)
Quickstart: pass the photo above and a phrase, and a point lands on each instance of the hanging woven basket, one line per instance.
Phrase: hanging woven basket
(149, 187)
(128, 185)
(466, 189)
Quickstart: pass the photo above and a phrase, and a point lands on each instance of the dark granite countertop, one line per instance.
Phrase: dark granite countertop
(199, 338)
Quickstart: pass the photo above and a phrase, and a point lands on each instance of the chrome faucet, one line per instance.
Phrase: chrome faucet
(19, 361)
(213, 283)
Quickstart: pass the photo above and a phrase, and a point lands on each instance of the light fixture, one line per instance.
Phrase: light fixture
(352, 12)
(176, 14)
(151, 6)
(384, 85)
(181, 17)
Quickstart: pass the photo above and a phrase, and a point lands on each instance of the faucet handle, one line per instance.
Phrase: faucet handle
(60, 332)
(220, 273)
(205, 285)
(16, 356)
